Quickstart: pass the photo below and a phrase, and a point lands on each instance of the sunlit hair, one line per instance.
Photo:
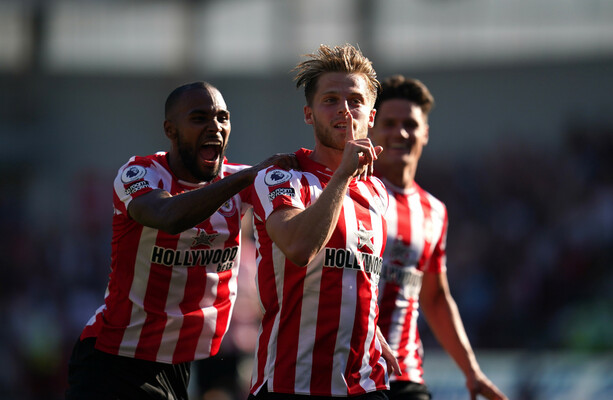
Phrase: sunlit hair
(399, 87)
(176, 94)
(345, 58)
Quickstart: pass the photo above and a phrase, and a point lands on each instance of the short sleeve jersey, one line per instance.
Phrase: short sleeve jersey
(416, 240)
(169, 297)
(317, 335)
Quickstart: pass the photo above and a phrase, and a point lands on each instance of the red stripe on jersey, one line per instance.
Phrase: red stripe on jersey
(387, 303)
(192, 315)
(406, 330)
(156, 295)
(404, 226)
(329, 313)
(357, 345)
(416, 240)
(155, 301)
(404, 223)
(378, 372)
(289, 324)
(222, 302)
(144, 292)
(427, 210)
(438, 259)
(266, 283)
(362, 310)
(120, 282)
(329, 346)
(224, 307)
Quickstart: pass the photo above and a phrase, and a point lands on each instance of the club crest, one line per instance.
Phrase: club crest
(228, 208)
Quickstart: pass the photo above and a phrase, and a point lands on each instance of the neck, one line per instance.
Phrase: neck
(327, 156)
(180, 170)
(399, 177)
(176, 166)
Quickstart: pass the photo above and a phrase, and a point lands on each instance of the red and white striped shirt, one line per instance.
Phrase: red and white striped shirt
(169, 297)
(416, 240)
(317, 335)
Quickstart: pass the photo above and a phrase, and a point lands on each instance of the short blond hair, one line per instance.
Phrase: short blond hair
(344, 58)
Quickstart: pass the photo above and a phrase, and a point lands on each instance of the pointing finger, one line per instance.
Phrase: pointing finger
(350, 132)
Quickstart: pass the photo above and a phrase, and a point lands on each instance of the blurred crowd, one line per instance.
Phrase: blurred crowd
(530, 246)
(530, 243)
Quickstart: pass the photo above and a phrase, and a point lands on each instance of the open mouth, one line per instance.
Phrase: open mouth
(209, 152)
(400, 146)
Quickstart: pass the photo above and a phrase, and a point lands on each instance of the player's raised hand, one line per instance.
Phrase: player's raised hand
(359, 154)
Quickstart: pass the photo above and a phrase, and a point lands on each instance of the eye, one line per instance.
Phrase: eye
(412, 124)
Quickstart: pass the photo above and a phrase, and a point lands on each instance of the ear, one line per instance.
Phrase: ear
(426, 134)
(371, 118)
(169, 130)
(308, 115)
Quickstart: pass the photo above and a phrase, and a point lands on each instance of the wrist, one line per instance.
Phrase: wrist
(250, 173)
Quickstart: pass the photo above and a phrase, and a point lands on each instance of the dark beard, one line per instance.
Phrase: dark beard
(190, 160)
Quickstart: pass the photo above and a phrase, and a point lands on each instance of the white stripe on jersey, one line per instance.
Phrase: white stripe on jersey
(425, 237)
(163, 333)
(300, 191)
(131, 335)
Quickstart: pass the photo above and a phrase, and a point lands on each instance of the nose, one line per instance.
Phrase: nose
(343, 107)
(213, 126)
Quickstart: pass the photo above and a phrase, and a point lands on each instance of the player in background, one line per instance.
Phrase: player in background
(320, 235)
(174, 258)
(414, 263)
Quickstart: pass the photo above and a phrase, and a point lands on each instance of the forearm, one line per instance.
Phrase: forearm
(301, 234)
(445, 322)
(175, 214)
(447, 326)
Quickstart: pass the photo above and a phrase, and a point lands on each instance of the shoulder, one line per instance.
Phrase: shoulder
(378, 185)
(151, 161)
(424, 193)
(139, 167)
(142, 172)
(378, 193)
(232, 168)
(436, 204)
(274, 176)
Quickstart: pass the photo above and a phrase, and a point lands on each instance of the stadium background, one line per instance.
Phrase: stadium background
(521, 151)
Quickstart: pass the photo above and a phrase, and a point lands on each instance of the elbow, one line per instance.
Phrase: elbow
(172, 230)
(300, 257)
(429, 303)
(299, 260)
(174, 227)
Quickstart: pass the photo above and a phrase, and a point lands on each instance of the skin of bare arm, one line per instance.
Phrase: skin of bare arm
(301, 234)
(441, 312)
(174, 214)
(388, 355)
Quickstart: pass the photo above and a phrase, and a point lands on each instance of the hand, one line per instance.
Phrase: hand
(285, 161)
(359, 154)
(480, 384)
(388, 355)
